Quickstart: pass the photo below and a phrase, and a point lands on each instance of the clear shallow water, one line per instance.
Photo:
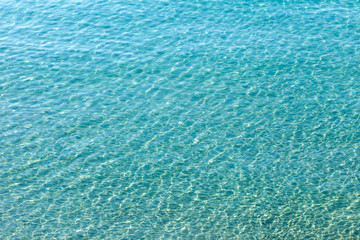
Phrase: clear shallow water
(179, 119)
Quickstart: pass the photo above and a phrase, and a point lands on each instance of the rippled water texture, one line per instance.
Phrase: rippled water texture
(179, 119)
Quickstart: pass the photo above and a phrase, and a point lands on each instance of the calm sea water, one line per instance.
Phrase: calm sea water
(203, 119)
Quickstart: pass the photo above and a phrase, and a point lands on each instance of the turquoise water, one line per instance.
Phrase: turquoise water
(179, 119)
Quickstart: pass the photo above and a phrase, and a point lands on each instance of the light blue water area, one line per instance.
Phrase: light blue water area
(150, 119)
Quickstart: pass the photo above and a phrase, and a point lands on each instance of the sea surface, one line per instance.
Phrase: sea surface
(187, 119)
